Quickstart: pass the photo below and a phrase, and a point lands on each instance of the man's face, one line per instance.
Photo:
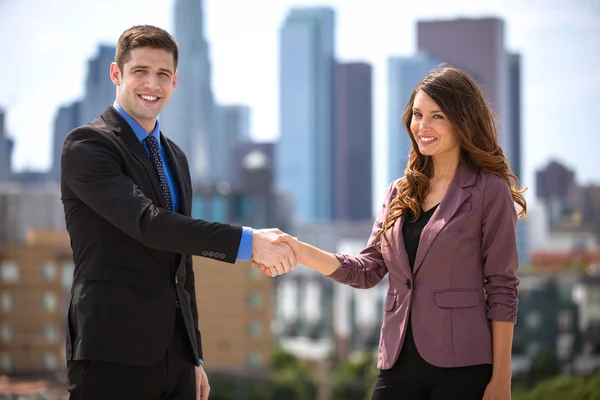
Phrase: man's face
(145, 84)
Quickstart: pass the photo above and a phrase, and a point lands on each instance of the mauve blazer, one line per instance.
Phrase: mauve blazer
(464, 273)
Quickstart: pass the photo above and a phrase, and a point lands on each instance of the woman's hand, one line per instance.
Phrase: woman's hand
(497, 389)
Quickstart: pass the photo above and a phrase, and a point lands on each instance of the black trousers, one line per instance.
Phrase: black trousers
(413, 378)
(172, 378)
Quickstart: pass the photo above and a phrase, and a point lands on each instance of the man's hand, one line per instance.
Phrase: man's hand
(278, 258)
(202, 387)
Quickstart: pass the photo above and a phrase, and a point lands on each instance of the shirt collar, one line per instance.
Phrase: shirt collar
(139, 131)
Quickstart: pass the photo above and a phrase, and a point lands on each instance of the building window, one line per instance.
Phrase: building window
(533, 320)
(255, 300)
(7, 362)
(10, 272)
(49, 333)
(564, 321)
(67, 275)
(48, 271)
(49, 362)
(255, 329)
(255, 359)
(8, 302)
(49, 301)
(8, 332)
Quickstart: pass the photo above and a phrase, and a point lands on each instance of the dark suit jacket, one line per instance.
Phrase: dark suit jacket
(464, 273)
(132, 257)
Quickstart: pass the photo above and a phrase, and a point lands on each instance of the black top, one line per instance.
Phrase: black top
(412, 232)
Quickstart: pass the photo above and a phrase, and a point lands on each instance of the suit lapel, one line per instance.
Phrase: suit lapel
(454, 198)
(177, 169)
(124, 131)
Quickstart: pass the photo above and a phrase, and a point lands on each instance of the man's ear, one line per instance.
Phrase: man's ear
(175, 78)
(115, 74)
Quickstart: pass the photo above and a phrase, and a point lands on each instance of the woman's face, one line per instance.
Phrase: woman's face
(431, 129)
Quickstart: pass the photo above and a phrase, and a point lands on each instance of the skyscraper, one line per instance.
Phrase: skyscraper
(234, 127)
(100, 91)
(189, 119)
(403, 75)
(304, 153)
(514, 153)
(6, 147)
(477, 47)
(67, 119)
(352, 145)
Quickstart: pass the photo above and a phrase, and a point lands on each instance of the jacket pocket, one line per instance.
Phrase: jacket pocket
(112, 274)
(390, 302)
(457, 298)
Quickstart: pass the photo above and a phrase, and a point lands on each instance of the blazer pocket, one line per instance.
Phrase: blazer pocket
(457, 298)
(390, 302)
(112, 274)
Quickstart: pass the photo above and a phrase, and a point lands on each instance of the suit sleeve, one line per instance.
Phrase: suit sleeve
(92, 173)
(190, 287)
(368, 268)
(499, 250)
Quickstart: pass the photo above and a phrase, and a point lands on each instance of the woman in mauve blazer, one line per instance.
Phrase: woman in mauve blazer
(446, 237)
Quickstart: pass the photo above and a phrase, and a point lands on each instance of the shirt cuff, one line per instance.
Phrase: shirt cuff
(201, 361)
(245, 249)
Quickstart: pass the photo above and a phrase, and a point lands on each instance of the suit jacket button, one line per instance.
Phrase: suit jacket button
(205, 253)
(211, 254)
(217, 254)
(176, 280)
(408, 284)
(222, 256)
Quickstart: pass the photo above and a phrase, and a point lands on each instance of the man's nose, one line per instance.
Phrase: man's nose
(151, 82)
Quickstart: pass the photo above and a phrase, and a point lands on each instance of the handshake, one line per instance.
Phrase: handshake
(274, 252)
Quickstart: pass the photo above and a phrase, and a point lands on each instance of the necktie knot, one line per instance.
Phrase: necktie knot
(157, 163)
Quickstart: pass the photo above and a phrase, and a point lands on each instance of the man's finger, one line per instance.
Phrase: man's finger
(278, 268)
(204, 392)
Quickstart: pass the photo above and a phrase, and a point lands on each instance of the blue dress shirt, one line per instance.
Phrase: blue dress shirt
(245, 248)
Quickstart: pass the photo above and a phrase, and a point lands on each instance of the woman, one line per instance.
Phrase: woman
(446, 235)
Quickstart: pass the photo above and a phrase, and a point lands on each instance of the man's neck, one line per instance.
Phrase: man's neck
(146, 124)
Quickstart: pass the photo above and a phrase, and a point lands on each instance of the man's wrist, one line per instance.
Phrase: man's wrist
(246, 241)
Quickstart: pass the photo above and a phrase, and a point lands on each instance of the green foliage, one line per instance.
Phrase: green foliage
(563, 388)
(354, 380)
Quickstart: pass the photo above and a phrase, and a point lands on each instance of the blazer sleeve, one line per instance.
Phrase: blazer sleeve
(499, 250)
(368, 268)
(92, 173)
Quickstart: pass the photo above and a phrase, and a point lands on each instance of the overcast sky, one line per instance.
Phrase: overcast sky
(45, 45)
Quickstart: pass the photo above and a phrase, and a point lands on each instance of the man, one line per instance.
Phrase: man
(126, 190)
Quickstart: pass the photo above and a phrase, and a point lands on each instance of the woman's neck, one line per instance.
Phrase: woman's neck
(445, 166)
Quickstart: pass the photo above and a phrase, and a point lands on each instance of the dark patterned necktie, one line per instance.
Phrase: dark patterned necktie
(157, 163)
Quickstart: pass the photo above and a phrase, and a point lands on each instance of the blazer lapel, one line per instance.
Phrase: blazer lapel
(454, 198)
(177, 169)
(396, 249)
(124, 131)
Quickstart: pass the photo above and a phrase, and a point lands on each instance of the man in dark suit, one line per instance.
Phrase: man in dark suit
(126, 189)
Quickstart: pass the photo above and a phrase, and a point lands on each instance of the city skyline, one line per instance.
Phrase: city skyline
(555, 48)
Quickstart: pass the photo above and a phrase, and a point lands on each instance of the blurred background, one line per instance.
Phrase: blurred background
(290, 114)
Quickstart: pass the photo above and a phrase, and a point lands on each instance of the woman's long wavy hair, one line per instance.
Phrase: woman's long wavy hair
(461, 99)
